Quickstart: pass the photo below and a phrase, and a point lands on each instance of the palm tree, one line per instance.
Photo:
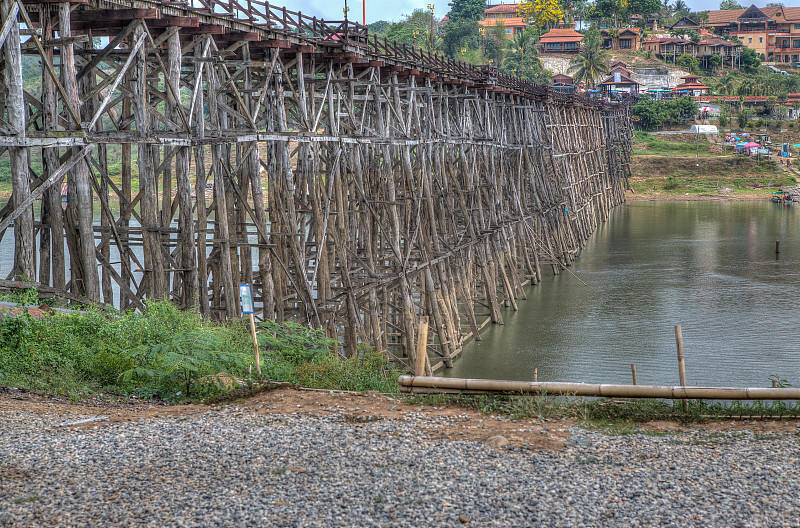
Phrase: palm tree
(589, 64)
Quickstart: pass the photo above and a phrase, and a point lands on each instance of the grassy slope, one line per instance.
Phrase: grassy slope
(674, 166)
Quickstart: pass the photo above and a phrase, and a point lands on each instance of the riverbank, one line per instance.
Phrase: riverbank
(304, 458)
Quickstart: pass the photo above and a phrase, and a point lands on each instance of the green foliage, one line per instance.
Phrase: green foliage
(658, 113)
(466, 10)
(725, 5)
(715, 61)
(460, 34)
(590, 64)
(743, 117)
(294, 342)
(379, 27)
(183, 361)
(688, 62)
(750, 60)
(331, 371)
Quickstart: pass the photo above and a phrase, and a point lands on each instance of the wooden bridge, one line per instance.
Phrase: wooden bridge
(356, 182)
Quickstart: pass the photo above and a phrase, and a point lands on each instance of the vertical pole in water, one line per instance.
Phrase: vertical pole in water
(777, 246)
(536, 375)
(681, 363)
(633, 373)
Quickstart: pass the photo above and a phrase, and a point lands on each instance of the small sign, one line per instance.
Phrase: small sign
(247, 298)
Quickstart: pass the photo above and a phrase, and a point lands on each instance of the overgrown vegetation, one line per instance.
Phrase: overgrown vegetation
(651, 113)
(171, 354)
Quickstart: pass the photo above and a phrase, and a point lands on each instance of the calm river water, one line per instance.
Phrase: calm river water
(708, 266)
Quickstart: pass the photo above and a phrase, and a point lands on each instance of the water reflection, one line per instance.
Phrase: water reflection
(708, 266)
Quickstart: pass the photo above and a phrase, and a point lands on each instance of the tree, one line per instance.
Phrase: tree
(460, 34)
(612, 9)
(715, 61)
(541, 13)
(644, 7)
(378, 27)
(680, 8)
(688, 62)
(795, 107)
(693, 35)
(589, 65)
(466, 10)
(403, 31)
(750, 60)
(729, 4)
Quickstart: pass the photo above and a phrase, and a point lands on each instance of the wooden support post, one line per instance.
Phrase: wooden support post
(24, 241)
(421, 354)
(84, 215)
(681, 363)
(633, 373)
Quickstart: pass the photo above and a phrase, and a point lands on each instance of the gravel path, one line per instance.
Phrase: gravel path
(227, 466)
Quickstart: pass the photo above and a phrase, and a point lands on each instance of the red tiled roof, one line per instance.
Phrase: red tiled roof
(504, 8)
(561, 35)
(508, 22)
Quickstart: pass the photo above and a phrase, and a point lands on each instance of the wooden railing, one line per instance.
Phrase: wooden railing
(348, 33)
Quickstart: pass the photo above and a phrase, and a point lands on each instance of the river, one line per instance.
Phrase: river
(710, 267)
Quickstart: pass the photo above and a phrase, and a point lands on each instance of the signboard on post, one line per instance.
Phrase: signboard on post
(247, 298)
(246, 295)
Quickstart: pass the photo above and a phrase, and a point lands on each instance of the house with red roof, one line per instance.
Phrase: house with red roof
(692, 85)
(561, 40)
(507, 15)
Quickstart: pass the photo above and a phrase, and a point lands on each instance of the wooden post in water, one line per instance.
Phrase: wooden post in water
(536, 375)
(633, 373)
(681, 363)
(777, 246)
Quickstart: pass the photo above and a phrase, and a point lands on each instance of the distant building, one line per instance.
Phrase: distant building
(562, 83)
(685, 23)
(621, 39)
(772, 31)
(692, 86)
(620, 79)
(506, 14)
(561, 40)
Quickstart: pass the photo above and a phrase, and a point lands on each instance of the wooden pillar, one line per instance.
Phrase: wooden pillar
(186, 242)
(153, 278)
(24, 259)
(198, 123)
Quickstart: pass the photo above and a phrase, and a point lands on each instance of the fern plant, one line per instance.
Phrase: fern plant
(184, 361)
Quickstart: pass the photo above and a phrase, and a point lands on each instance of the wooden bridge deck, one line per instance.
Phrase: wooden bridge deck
(357, 183)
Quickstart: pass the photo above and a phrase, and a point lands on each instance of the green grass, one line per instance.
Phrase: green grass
(171, 354)
(645, 143)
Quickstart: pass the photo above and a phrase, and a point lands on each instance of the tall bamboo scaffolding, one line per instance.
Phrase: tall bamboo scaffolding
(358, 183)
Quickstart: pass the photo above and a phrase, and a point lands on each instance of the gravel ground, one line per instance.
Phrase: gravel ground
(229, 466)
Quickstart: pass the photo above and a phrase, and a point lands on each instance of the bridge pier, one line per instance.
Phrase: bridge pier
(359, 184)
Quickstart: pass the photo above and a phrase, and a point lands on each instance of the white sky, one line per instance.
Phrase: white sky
(395, 9)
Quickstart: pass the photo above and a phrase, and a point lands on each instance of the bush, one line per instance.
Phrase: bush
(658, 113)
(331, 371)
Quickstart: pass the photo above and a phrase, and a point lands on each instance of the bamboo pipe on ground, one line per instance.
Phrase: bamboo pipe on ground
(430, 384)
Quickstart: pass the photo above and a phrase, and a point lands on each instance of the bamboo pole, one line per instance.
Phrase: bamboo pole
(633, 373)
(430, 384)
(421, 358)
(681, 363)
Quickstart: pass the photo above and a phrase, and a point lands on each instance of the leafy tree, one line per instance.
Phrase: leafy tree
(688, 62)
(418, 21)
(466, 10)
(715, 61)
(522, 58)
(590, 64)
(613, 9)
(541, 13)
(644, 7)
(658, 113)
(460, 34)
(729, 4)
(680, 8)
(694, 36)
(378, 27)
(750, 60)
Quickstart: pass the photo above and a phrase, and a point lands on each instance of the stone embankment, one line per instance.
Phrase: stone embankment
(315, 459)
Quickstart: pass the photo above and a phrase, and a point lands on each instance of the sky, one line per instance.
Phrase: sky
(394, 10)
